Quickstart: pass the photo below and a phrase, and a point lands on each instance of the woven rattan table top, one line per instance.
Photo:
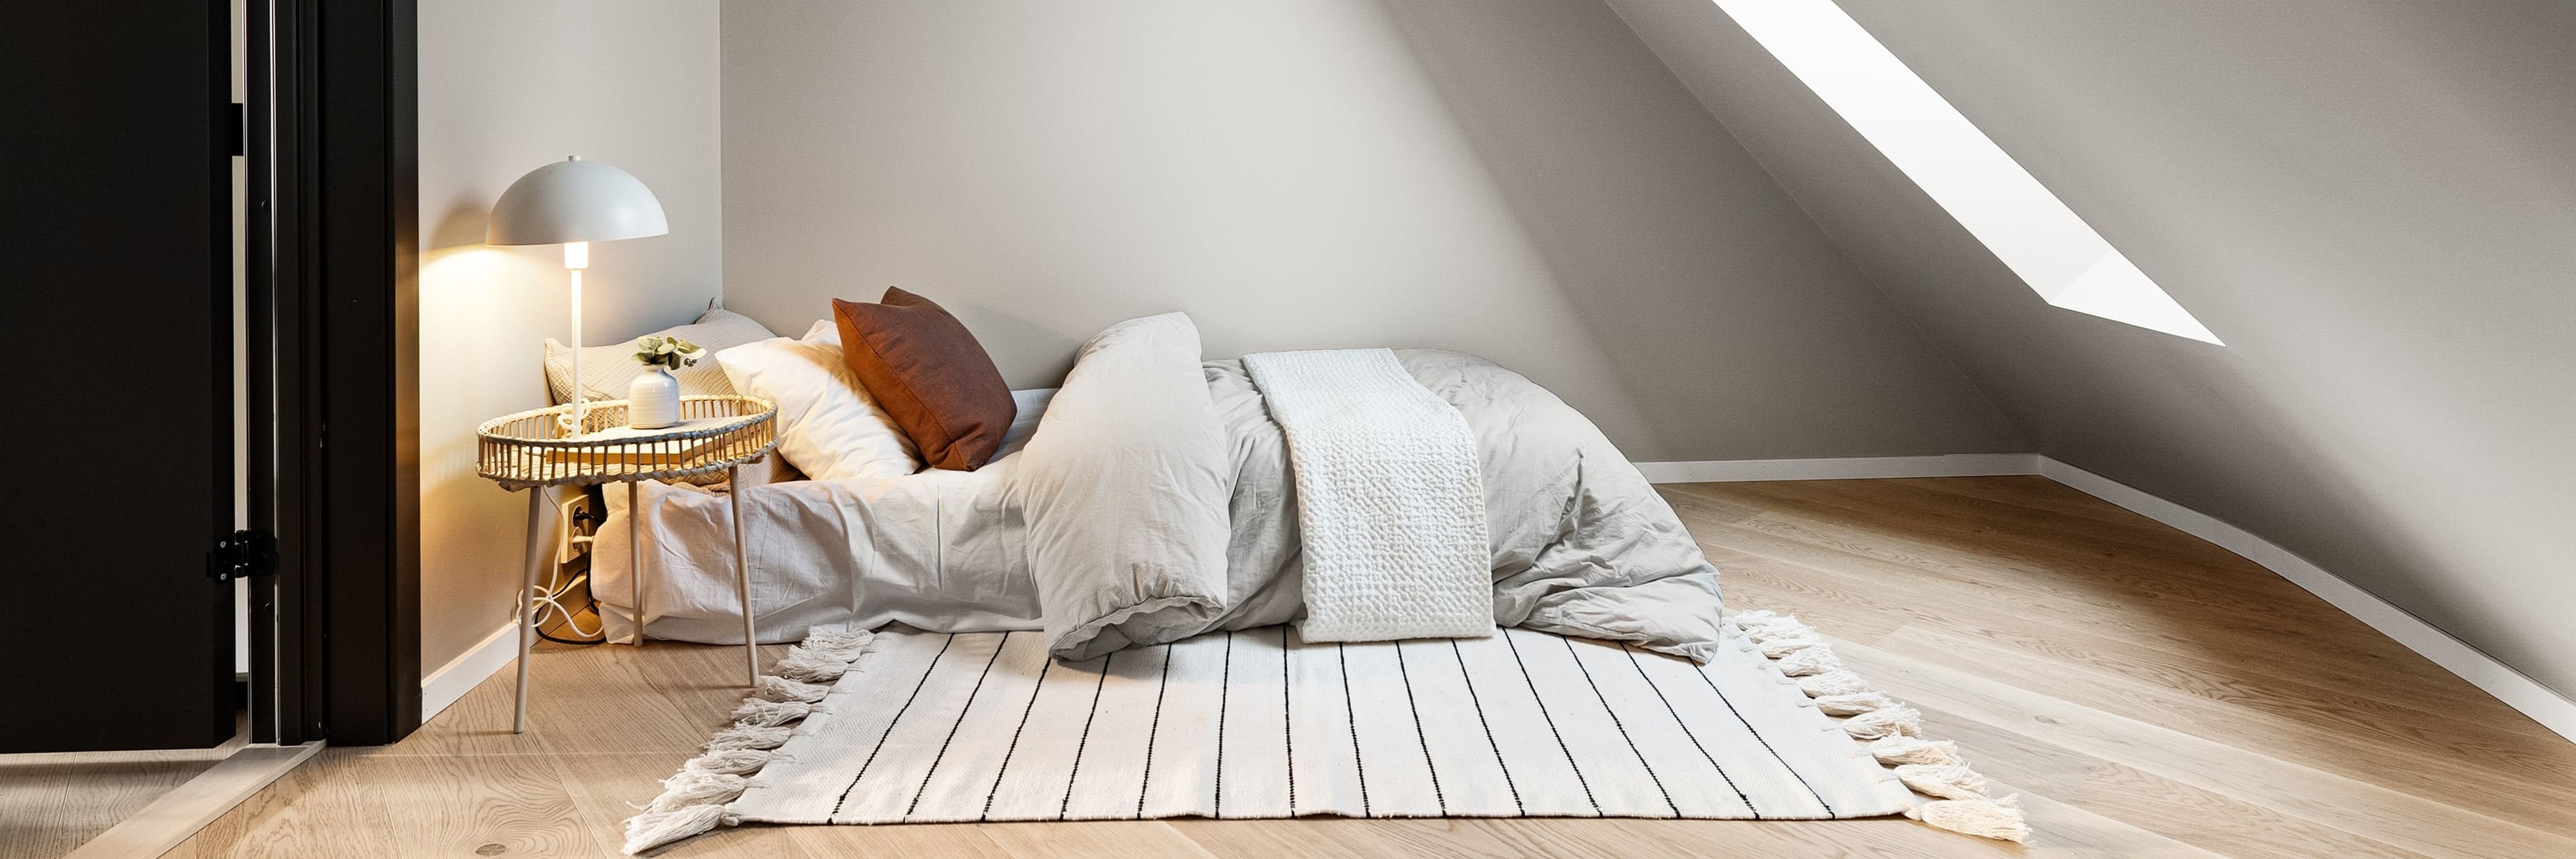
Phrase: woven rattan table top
(532, 448)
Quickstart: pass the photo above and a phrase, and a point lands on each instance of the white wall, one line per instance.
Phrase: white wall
(504, 88)
(1521, 180)
(2369, 201)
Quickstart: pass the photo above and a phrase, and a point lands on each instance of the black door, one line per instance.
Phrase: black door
(116, 426)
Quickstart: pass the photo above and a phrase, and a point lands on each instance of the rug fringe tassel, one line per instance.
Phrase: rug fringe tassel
(810, 666)
(695, 801)
(1999, 819)
(1893, 730)
(656, 828)
(1806, 661)
(775, 688)
(1763, 624)
(1947, 781)
(1783, 646)
(728, 762)
(1837, 682)
(758, 737)
(1854, 703)
(770, 714)
(1897, 721)
(1901, 749)
(697, 788)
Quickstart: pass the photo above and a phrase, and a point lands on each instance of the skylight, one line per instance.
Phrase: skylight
(2034, 233)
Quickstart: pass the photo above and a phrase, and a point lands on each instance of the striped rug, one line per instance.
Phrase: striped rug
(933, 727)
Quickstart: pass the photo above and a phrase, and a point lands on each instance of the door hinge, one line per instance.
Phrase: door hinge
(240, 116)
(242, 555)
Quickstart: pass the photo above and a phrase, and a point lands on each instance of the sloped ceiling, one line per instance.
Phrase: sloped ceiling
(1524, 181)
(2372, 203)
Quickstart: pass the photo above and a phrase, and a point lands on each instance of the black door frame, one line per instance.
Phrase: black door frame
(334, 328)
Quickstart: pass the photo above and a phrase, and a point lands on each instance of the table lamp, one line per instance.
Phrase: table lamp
(573, 203)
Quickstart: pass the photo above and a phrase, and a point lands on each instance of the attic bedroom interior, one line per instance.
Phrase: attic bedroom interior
(1143, 428)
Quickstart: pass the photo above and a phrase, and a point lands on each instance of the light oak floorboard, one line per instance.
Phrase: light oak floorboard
(2185, 814)
(175, 815)
(48, 809)
(53, 802)
(2430, 766)
(2146, 693)
(2363, 808)
(2050, 610)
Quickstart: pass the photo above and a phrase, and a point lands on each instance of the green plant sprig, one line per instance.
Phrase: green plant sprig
(667, 352)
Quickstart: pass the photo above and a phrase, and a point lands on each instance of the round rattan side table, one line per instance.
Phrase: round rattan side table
(534, 449)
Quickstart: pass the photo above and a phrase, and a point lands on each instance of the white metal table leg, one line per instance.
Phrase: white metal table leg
(742, 575)
(528, 601)
(635, 560)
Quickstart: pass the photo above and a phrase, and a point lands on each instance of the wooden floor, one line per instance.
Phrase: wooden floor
(2146, 693)
(51, 803)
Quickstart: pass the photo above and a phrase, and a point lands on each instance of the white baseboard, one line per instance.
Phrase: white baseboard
(1848, 468)
(2517, 690)
(469, 669)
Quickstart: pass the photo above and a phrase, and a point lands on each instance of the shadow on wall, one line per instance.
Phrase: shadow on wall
(460, 226)
(1719, 303)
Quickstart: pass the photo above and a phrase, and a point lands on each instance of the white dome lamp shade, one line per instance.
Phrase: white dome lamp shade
(573, 203)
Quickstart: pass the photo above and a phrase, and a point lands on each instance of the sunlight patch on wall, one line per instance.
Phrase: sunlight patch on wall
(2025, 225)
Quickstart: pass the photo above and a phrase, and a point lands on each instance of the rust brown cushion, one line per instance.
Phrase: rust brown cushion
(929, 375)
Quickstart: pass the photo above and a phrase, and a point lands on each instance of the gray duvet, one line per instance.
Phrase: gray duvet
(1158, 504)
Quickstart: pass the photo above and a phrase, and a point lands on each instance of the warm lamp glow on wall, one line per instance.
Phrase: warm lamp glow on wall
(573, 203)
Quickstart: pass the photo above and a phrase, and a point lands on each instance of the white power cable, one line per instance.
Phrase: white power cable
(549, 596)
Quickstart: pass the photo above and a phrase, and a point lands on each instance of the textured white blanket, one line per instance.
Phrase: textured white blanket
(1390, 500)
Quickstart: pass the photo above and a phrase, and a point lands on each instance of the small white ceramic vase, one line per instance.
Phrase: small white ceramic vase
(653, 400)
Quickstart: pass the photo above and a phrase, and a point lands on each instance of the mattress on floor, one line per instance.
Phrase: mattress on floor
(934, 550)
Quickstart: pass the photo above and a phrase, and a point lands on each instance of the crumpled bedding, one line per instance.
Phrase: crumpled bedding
(1582, 544)
(1123, 488)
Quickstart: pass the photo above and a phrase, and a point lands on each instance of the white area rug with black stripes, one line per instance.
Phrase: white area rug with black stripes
(1259, 724)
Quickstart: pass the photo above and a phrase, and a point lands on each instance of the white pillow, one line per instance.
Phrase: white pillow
(607, 370)
(827, 425)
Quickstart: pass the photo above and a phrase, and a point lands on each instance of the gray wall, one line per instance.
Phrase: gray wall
(2373, 203)
(504, 88)
(1521, 180)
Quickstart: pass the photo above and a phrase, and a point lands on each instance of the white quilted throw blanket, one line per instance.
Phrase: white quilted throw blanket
(1390, 500)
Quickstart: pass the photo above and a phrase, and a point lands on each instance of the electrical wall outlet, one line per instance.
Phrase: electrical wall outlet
(576, 523)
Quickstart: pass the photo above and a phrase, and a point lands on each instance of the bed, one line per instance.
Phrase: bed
(1339, 504)
(1581, 543)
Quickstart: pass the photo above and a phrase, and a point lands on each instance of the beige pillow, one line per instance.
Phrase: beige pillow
(828, 426)
(608, 370)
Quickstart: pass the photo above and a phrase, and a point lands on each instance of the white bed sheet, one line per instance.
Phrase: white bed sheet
(935, 550)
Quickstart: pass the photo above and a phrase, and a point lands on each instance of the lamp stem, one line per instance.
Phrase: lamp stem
(580, 386)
